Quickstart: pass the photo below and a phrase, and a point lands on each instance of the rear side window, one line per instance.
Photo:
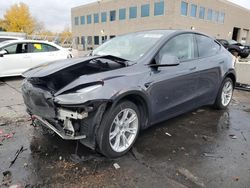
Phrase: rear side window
(40, 47)
(181, 46)
(16, 48)
(207, 46)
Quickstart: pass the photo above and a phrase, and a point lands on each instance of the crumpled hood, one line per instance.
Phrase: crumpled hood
(55, 66)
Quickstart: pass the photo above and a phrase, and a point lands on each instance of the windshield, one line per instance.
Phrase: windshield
(232, 42)
(130, 47)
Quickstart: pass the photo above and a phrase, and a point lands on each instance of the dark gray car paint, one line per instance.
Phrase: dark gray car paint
(167, 91)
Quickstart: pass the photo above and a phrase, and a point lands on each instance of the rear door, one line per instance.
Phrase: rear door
(173, 89)
(16, 61)
(210, 64)
(42, 53)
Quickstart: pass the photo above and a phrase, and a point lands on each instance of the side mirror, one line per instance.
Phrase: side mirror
(166, 60)
(2, 53)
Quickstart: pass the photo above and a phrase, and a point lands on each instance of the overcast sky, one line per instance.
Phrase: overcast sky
(55, 14)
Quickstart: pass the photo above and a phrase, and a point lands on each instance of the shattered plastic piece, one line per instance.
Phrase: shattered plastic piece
(191, 177)
(17, 154)
(168, 134)
(117, 166)
(233, 136)
(212, 155)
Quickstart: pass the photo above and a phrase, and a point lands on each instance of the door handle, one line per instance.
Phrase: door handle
(193, 68)
(221, 62)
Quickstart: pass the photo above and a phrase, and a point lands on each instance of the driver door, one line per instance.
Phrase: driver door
(16, 60)
(173, 89)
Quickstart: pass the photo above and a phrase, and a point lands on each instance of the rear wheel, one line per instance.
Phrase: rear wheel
(225, 94)
(118, 132)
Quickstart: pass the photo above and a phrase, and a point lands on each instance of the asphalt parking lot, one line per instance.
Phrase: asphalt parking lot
(203, 148)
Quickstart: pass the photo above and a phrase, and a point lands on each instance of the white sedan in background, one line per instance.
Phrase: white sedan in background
(17, 56)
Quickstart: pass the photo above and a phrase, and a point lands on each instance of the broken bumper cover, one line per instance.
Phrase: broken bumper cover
(61, 133)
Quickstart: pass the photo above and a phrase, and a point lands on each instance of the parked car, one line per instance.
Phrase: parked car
(235, 47)
(128, 84)
(4, 38)
(17, 56)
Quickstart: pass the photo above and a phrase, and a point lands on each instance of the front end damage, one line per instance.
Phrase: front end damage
(70, 122)
(60, 96)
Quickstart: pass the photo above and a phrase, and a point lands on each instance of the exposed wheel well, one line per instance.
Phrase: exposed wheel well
(142, 106)
(232, 76)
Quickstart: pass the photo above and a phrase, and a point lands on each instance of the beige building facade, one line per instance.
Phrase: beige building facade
(94, 23)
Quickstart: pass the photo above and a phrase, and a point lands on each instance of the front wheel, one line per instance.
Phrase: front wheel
(225, 94)
(118, 132)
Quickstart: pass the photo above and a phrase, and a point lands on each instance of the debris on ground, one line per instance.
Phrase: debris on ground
(236, 178)
(233, 136)
(8, 136)
(60, 158)
(116, 165)
(191, 177)
(200, 110)
(2, 124)
(168, 134)
(16, 155)
(16, 186)
(77, 159)
(243, 136)
(212, 155)
(7, 178)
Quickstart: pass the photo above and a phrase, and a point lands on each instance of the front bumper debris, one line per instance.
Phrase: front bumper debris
(40, 121)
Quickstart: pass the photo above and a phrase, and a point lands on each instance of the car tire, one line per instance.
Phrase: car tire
(244, 55)
(225, 94)
(114, 124)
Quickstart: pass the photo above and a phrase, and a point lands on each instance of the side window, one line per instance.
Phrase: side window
(39, 47)
(206, 46)
(17, 48)
(181, 46)
(11, 49)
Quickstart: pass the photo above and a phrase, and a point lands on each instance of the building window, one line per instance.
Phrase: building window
(193, 10)
(209, 14)
(82, 20)
(221, 17)
(132, 12)
(89, 19)
(215, 16)
(104, 38)
(76, 20)
(112, 36)
(122, 14)
(159, 8)
(202, 13)
(96, 40)
(112, 15)
(145, 10)
(96, 18)
(184, 8)
(104, 16)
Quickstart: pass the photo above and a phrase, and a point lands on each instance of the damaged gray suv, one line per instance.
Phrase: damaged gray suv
(128, 84)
